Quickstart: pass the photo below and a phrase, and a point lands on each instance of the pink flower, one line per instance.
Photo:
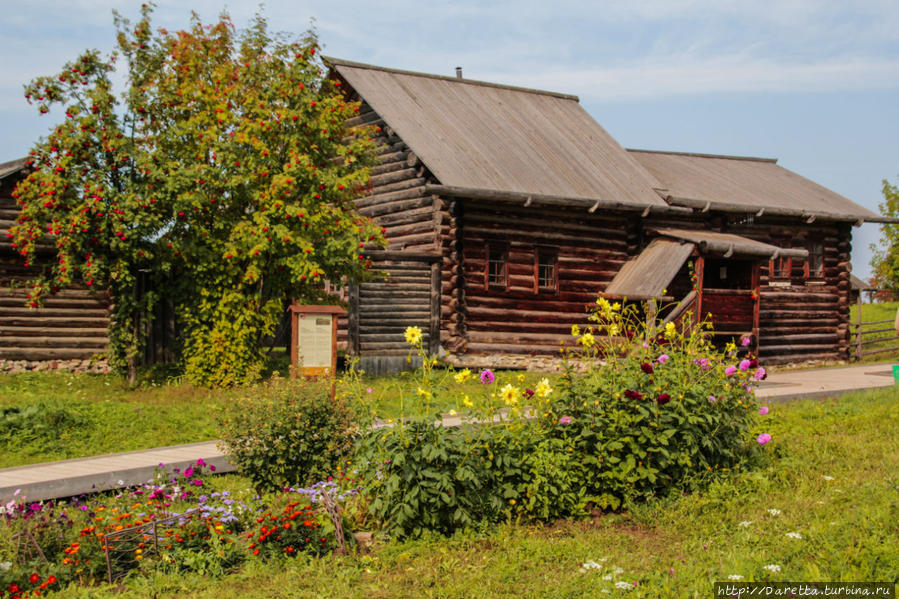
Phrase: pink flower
(730, 370)
(763, 410)
(663, 358)
(745, 341)
(763, 438)
(712, 399)
(369, 390)
(201, 462)
(565, 420)
(487, 377)
(760, 374)
(744, 365)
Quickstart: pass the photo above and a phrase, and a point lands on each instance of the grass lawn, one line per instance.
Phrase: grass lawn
(825, 508)
(46, 416)
(874, 313)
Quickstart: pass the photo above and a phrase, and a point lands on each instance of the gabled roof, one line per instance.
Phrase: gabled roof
(741, 184)
(12, 167)
(487, 137)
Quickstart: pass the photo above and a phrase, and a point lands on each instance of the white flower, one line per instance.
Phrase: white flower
(773, 568)
(591, 565)
(793, 535)
(607, 577)
(745, 523)
(120, 482)
(825, 477)
(623, 585)
(774, 512)
(616, 570)
(735, 577)
(4, 566)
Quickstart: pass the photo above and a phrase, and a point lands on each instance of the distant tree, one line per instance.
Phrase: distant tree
(224, 173)
(885, 262)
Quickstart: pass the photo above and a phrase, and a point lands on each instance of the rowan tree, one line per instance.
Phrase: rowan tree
(224, 173)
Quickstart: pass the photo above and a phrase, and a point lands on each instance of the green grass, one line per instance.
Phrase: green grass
(70, 416)
(874, 313)
(833, 475)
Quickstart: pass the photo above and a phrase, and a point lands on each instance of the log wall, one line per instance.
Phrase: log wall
(73, 322)
(519, 319)
(805, 319)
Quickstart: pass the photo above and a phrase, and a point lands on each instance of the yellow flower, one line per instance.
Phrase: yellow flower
(587, 340)
(413, 335)
(510, 394)
(613, 329)
(670, 330)
(575, 330)
(466, 401)
(453, 413)
(462, 376)
(423, 393)
(543, 389)
(616, 306)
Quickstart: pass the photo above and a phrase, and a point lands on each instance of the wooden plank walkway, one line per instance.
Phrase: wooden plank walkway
(69, 478)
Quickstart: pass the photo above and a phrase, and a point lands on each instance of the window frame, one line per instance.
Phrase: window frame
(781, 264)
(807, 273)
(553, 254)
(503, 248)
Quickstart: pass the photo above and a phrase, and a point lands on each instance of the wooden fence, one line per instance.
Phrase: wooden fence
(868, 341)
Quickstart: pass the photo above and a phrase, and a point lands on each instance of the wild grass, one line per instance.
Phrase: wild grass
(832, 484)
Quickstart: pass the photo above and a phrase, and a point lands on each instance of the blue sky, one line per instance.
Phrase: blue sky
(812, 83)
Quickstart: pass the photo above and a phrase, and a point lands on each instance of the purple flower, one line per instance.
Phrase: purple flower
(730, 370)
(763, 438)
(528, 392)
(565, 420)
(212, 468)
(763, 410)
(744, 365)
(663, 358)
(487, 377)
(646, 367)
(200, 462)
(745, 341)
(760, 374)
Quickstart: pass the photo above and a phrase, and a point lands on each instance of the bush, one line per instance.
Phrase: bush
(651, 411)
(288, 433)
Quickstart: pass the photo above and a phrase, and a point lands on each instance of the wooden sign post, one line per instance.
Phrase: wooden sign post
(313, 340)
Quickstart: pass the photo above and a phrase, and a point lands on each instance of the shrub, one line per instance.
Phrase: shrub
(288, 433)
(662, 407)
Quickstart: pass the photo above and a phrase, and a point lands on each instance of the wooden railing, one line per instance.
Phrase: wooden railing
(868, 342)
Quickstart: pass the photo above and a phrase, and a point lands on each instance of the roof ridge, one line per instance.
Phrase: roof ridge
(334, 62)
(700, 155)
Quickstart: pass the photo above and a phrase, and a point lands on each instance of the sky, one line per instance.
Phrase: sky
(814, 83)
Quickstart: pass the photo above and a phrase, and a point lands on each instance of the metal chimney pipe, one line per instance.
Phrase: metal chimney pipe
(459, 72)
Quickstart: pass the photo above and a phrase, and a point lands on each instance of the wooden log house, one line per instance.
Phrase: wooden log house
(71, 325)
(509, 210)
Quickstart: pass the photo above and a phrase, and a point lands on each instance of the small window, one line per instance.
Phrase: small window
(814, 267)
(782, 266)
(545, 263)
(497, 264)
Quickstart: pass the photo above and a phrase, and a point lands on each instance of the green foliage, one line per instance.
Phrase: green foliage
(288, 433)
(885, 261)
(37, 423)
(225, 172)
(663, 409)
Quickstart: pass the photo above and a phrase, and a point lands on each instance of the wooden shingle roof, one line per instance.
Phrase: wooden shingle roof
(740, 184)
(487, 137)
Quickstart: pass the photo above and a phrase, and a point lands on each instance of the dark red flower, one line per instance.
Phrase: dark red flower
(663, 398)
(630, 394)
(646, 367)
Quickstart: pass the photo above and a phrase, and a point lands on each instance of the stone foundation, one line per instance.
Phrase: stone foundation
(73, 366)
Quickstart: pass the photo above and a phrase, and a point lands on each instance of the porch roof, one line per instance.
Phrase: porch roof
(730, 244)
